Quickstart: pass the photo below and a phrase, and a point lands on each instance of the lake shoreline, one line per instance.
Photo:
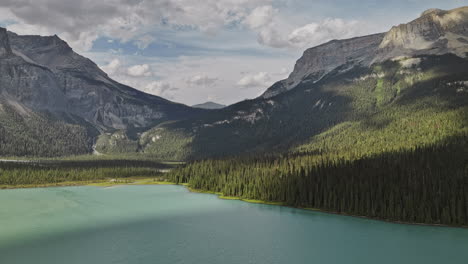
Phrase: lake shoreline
(151, 181)
(96, 183)
(222, 196)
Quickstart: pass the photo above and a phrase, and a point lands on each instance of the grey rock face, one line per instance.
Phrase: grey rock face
(436, 32)
(318, 61)
(44, 73)
(5, 49)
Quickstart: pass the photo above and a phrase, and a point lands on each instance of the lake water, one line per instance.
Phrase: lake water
(168, 224)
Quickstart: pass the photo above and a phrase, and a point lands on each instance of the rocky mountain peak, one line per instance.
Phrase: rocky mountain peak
(5, 48)
(435, 32)
(432, 11)
(48, 76)
(318, 61)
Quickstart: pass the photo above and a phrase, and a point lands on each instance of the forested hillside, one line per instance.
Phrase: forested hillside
(26, 133)
(79, 171)
(395, 104)
(55, 102)
(422, 185)
(388, 142)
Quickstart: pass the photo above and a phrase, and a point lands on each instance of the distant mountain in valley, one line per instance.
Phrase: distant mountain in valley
(209, 105)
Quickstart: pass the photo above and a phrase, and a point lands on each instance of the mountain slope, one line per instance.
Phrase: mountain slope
(86, 90)
(401, 89)
(382, 103)
(384, 107)
(387, 141)
(43, 77)
(436, 32)
(318, 61)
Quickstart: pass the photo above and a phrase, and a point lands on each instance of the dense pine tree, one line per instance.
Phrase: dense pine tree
(423, 185)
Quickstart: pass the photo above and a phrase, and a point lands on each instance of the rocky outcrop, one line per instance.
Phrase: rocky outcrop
(4, 43)
(318, 61)
(45, 74)
(436, 32)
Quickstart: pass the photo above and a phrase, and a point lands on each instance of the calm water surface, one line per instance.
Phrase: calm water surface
(168, 224)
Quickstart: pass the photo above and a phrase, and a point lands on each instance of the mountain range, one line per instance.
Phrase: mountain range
(365, 94)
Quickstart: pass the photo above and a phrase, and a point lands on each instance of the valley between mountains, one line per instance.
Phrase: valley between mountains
(373, 126)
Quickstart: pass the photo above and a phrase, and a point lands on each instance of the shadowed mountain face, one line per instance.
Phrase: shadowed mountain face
(56, 102)
(45, 74)
(436, 32)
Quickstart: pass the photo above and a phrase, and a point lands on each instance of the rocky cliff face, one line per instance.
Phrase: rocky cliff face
(318, 61)
(4, 43)
(436, 32)
(45, 74)
(25, 82)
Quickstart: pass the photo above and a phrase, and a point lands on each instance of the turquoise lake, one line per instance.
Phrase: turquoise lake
(168, 224)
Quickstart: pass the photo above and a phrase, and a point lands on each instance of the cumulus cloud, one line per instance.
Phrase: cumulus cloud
(261, 79)
(159, 88)
(270, 36)
(144, 41)
(80, 22)
(260, 17)
(275, 31)
(139, 70)
(113, 67)
(328, 29)
(201, 80)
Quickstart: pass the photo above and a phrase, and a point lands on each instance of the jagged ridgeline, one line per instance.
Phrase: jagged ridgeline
(54, 102)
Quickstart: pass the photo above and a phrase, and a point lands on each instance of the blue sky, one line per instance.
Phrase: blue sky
(193, 51)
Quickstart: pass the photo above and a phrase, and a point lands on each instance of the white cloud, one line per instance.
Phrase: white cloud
(139, 70)
(159, 88)
(283, 71)
(112, 67)
(270, 36)
(144, 41)
(261, 79)
(328, 29)
(278, 32)
(260, 17)
(201, 80)
(80, 22)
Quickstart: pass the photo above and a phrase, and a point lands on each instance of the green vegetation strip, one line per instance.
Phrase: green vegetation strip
(44, 173)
